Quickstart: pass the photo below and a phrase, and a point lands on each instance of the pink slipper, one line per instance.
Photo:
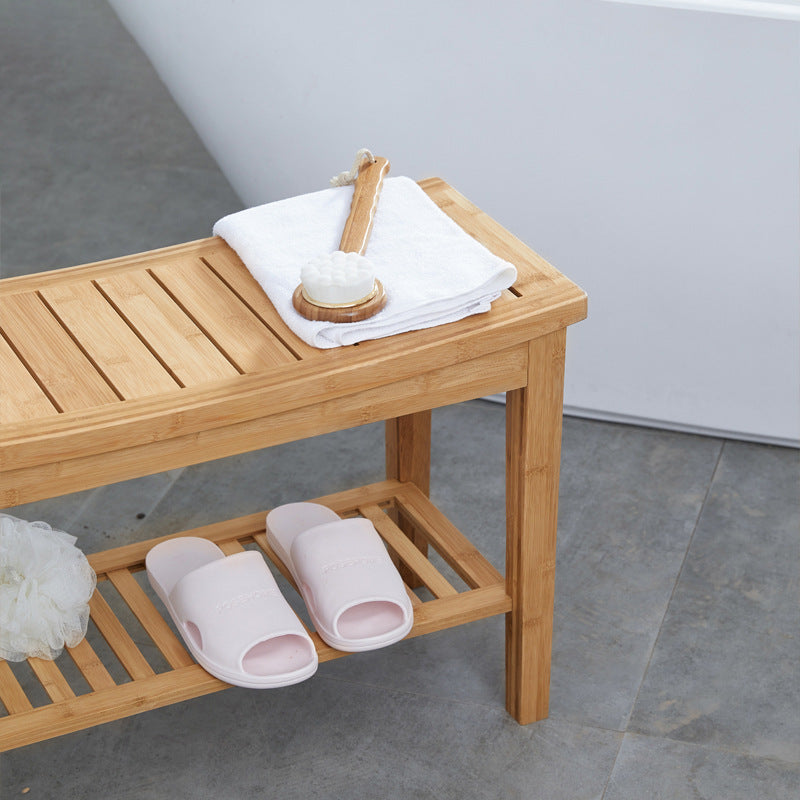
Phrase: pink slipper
(231, 613)
(353, 592)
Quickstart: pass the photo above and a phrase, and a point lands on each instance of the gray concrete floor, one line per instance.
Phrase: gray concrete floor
(675, 652)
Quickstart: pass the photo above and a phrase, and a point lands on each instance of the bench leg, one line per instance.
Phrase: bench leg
(408, 458)
(533, 454)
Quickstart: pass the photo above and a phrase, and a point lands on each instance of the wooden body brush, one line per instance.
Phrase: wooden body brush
(341, 286)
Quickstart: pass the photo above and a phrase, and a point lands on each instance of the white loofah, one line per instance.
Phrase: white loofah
(45, 587)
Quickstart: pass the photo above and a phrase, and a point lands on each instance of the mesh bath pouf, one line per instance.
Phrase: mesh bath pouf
(45, 587)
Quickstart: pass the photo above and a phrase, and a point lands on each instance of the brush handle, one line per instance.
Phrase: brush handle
(366, 191)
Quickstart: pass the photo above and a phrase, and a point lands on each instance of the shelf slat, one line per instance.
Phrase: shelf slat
(13, 697)
(119, 640)
(90, 665)
(21, 398)
(455, 548)
(55, 684)
(151, 620)
(408, 552)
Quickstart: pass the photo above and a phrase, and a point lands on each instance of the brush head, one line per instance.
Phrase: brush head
(338, 279)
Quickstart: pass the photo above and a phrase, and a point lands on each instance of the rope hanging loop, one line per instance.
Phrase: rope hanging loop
(346, 178)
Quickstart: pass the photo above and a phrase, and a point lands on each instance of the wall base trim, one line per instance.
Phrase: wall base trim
(645, 422)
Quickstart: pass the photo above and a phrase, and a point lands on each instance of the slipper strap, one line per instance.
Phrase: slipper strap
(341, 564)
(235, 603)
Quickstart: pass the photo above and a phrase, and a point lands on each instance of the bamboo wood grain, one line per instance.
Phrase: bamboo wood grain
(447, 612)
(366, 192)
(119, 640)
(408, 449)
(230, 548)
(408, 458)
(65, 373)
(177, 342)
(11, 694)
(155, 625)
(21, 398)
(533, 451)
(415, 601)
(236, 330)
(51, 678)
(106, 705)
(91, 667)
(107, 339)
(408, 552)
(228, 267)
(467, 561)
(251, 396)
(34, 725)
(444, 386)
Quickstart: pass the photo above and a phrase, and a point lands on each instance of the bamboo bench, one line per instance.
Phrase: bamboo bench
(159, 360)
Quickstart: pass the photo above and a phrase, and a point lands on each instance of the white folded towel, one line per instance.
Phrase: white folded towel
(433, 272)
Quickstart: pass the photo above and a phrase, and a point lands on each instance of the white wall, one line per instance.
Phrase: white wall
(651, 154)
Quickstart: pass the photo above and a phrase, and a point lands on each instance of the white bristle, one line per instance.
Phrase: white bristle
(338, 278)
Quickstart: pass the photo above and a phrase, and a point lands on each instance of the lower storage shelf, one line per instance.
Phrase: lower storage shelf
(118, 680)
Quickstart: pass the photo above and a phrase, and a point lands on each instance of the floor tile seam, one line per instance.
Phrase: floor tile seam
(729, 750)
(664, 514)
(677, 580)
(770, 491)
(766, 500)
(613, 765)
